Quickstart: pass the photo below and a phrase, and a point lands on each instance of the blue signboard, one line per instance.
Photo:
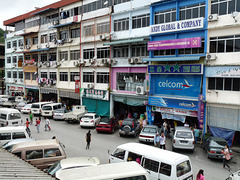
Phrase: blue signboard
(173, 103)
(177, 85)
(175, 69)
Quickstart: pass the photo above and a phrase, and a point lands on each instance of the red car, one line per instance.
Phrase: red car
(107, 124)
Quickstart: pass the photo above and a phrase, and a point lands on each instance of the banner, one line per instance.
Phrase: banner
(181, 112)
(29, 61)
(226, 71)
(175, 117)
(95, 94)
(77, 86)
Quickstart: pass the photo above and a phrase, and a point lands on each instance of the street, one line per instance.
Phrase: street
(73, 137)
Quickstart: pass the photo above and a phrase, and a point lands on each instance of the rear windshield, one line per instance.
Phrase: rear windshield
(35, 105)
(184, 134)
(218, 143)
(47, 108)
(149, 129)
(59, 111)
(127, 122)
(183, 168)
(105, 120)
(13, 116)
(3, 116)
(88, 117)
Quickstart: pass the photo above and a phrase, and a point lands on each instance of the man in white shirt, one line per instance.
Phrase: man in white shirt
(47, 124)
(186, 124)
(162, 141)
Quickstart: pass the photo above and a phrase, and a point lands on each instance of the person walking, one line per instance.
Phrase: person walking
(38, 121)
(200, 175)
(157, 140)
(162, 141)
(31, 117)
(165, 128)
(27, 126)
(226, 156)
(47, 124)
(88, 139)
(196, 133)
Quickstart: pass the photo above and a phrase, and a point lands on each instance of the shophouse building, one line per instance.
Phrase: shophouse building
(2, 68)
(178, 36)
(223, 65)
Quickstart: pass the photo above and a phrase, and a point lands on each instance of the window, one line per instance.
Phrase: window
(88, 77)
(14, 44)
(27, 57)
(14, 74)
(225, 44)
(63, 76)
(88, 30)
(64, 55)
(43, 74)
(103, 77)
(52, 152)
(165, 169)
(133, 157)
(34, 154)
(88, 53)
(222, 7)
(52, 36)
(183, 168)
(14, 59)
(32, 23)
(72, 76)
(18, 135)
(35, 57)
(63, 35)
(20, 75)
(199, 50)
(27, 76)
(165, 16)
(20, 42)
(53, 56)
(225, 84)
(35, 40)
(119, 153)
(28, 41)
(5, 136)
(44, 38)
(151, 165)
(103, 52)
(43, 57)
(140, 50)
(8, 59)
(121, 24)
(192, 11)
(103, 28)
(129, 81)
(53, 75)
(75, 33)
(120, 51)
(75, 55)
(34, 76)
(120, 1)
(9, 74)
(140, 21)
(13, 116)
(8, 45)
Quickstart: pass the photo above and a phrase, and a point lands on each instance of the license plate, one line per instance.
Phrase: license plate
(14, 122)
(183, 141)
(46, 112)
(86, 121)
(35, 110)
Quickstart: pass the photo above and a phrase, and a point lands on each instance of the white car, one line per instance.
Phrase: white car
(26, 109)
(90, 120)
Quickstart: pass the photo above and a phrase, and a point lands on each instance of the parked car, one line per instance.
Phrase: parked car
(10, 117)
(107, 124)
(76, 114)
(129, 126)
(214, 146)
(8, 146)
(11, 102)
(90, 120)
(26, 108)
(36, 108)
(59, 113)
(71, 163)
(20, 105)
(148, 133)
(182, 138)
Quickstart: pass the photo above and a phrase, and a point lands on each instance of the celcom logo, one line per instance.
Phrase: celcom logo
(174, 85)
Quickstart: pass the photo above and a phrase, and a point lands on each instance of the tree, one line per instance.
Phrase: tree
(2, 35)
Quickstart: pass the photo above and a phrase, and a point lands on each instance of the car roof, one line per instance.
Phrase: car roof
(89, 114)
(8, 110)
(153, 152)
(16, 141)
(181, 128)
(7, 128)
(79, 161)
(151, 126)
(128, 119)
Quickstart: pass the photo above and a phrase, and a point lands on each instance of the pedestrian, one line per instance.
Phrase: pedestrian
(162, 141)
(226, 156)
(165, 128)
(38, 121)
(200, 175)
(186, 124)
(168, 130)
(196, 133)
(27, 126)
(88, 139)
(144, 122)
(47, 124)
(157, 140)
(31, 117)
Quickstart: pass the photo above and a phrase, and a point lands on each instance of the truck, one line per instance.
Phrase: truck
(12, 101)
(76, 114)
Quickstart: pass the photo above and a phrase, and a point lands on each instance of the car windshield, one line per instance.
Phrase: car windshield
(105, 120)
(35, 106)
(13, 116)
(59, 111)
(184, 134)
(54, 168)
(149, 129)
(218, 143)
(127, 122)
(46, 108)
(88, 117)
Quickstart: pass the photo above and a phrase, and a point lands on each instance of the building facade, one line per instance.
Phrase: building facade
(2, 68)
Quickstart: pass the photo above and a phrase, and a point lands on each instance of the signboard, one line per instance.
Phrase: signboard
(95, 94)
(175, 117)
(177, 85)
(29, 61)
(75, 18)
(177, 26)
(181, 112)
(175, 44)
(12, 88)
(29, 68)
(77, 86)
(31, 87)
(173, 103)
(226, 71)
(176, 69)
(200, 114)
(19, 63)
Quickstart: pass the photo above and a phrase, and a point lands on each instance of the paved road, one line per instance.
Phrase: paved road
(73, 137)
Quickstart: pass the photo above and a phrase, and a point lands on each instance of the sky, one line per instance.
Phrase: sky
(13, 8)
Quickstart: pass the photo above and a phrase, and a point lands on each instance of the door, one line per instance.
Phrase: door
(165, 171)
(35, 157)
(118, 156)
(152, 167)
(51, 156)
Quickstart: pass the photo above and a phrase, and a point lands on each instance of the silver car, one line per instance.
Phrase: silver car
(8, 146)
(183, 138)
(148, 133)
(58, 114)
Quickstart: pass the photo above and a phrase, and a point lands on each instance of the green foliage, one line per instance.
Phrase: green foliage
(2, 35)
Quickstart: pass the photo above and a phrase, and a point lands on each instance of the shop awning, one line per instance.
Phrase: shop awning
(37, 50)
(186, 58)
(132, 100)
(126, 41)
(27, 33)
(48, 90)
(43, 11)
(60, 25)
(69, 94)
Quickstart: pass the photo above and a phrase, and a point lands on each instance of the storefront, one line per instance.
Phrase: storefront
(69, 98)
(16, 90)
(49, 94)
(32, 93)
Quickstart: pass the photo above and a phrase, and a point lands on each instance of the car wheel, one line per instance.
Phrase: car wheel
(193, 150)
(173, 149)
(120, 135)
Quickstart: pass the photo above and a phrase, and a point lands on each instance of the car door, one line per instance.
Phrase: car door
(118, 156)
(152, 167)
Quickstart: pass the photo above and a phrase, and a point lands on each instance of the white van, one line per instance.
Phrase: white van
(116, 171)
(11, 133)
(37, 107)
(159, 163)
(47, 110)
(10, 117)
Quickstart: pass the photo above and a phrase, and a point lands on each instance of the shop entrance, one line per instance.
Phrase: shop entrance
(69, 102)
(49, 97)
(32, 95)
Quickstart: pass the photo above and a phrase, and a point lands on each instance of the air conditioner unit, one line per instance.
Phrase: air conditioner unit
(131, 60)
(14, 65)
(56, 22)
(138, 60)
(27, 46)
(140, 90)
(14, 48)
(39, 64)
(213, 17)
(15, 80)
(89, 86)
(47, 45)
(58, 64)
(21, 80)
(210, 57)
(91, 61)
(113, 61)
(48, 64)
(109, 61)
(81, 61)
(76, 64)
(38, 46)
(104, 61)
(21, 47)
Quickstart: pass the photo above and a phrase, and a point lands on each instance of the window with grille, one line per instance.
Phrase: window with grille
(27, 75)
(103, 52)
(75, 33)
(28, 41)
(44, 38)
(53, 75)
(72, 76)
(14, 74)
(14, 59)
(192, 11)
(20, 42)
(14, 43)
(53, 56)
(224, 84)
(103, 28)
(27, 57)
(8, 59)
(88, 77)
(88, 30)
(9, 74)
(20, 75)
(103, 77)
(74, 55)
(43, 74)
(63, 35)
(63, 76)
(167, 52)
(140, 50)
(35, 57)
(64, 55)
(121, 24)
(8, 45)
(43, 57)
(34, 76)
(120, 51)
(165, 16)
(88, 53)
(35, 40)
(141, 21)
(120, 1)
(222, 7)
(52, 37)
(199, 50)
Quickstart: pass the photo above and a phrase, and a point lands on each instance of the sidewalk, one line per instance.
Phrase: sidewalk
(236, 149)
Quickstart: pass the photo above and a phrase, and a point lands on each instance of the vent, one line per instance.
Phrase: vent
(140, 90)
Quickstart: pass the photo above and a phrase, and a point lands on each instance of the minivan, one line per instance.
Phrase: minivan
(10, 133)
(159, 163)
(10, 117)
(41, 153)
(37, 107)
(116, 171)
(47, 110)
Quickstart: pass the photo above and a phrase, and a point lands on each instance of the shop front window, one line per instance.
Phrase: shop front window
(129, 81)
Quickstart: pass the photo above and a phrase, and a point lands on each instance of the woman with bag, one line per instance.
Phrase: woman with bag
(226, 156)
